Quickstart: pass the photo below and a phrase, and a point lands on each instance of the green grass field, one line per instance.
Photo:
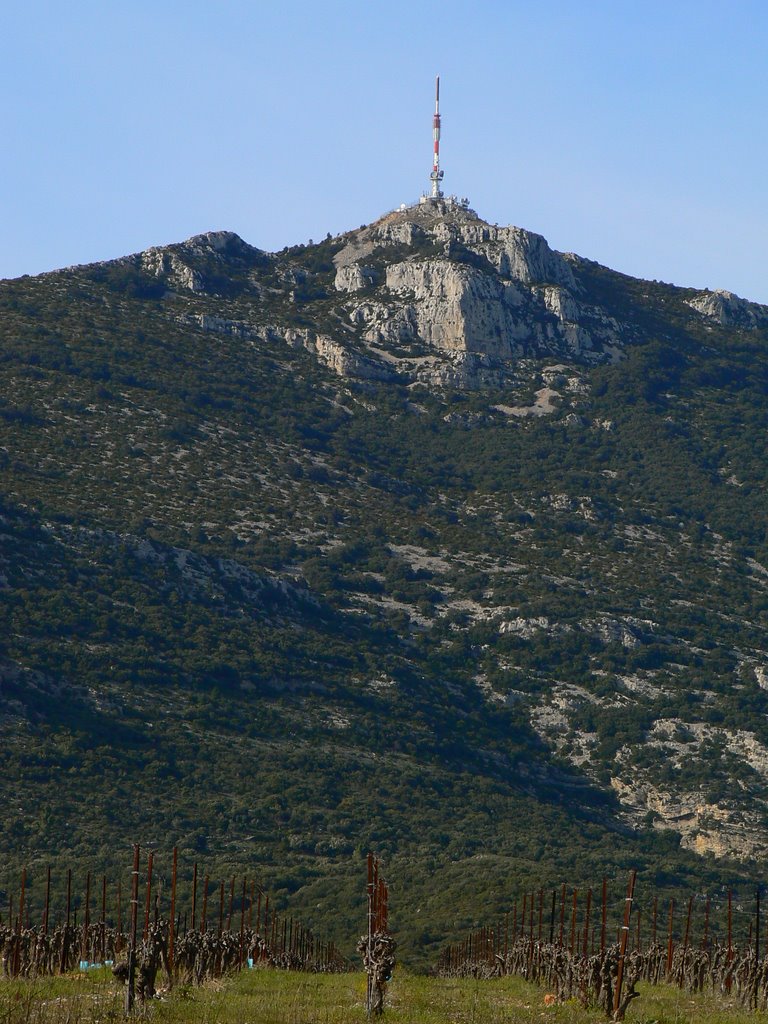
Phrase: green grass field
(276, 997)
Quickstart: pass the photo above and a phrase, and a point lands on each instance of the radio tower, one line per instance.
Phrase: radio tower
(436, 176)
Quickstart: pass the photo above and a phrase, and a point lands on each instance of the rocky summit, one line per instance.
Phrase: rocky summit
(425, 538)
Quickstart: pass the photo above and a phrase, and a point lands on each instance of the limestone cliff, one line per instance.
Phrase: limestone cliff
(438, 276)
(428, 294)
(729, 310)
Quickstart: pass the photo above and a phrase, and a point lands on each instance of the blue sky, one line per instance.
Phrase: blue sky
(632, 133)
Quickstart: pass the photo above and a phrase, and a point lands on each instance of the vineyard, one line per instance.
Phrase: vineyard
(596, 949)
(228, 926)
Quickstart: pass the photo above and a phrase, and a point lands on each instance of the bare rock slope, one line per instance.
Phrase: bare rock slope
(439, 277)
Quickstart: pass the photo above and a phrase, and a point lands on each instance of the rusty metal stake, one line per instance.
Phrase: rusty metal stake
(148, 904)
(130, 991)
(194, 895)
(47, 908)
(670, 946)
(204, 915)
(172, 932)
(624, 937)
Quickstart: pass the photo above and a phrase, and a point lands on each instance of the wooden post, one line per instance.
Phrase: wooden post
(103, 920)
(65, 937)
(20, 923)
(69, 894)
(47, 908)
(574, 906)
(221, 909)
(587, 912)
(687, 926)
(119, 936)
(541, 912)
(655, 913)
(86, 919)
(562, 916)
(369, 975)
(669, 936)
(530, 936)
(552, 917)
(242, 925)
(603, 914)
(730, 936)
(755, 995)
(705, 941)
(130, 991)
(172, 926)
(194, 894)
(623, 944)
(204, 915)
(231, 903)
(22, 897)
(757, 924)
(148, 903)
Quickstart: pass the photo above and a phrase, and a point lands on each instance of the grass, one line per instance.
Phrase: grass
(274, 997)
(78, 998)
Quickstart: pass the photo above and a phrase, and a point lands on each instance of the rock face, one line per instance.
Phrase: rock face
(439, 277)
(429, 294)
(354, 278)
(451, 307)
(729, 310)
(197, 264)
(167, 265)
(338, 357)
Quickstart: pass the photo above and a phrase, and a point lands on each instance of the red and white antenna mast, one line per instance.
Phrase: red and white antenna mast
(436, 176)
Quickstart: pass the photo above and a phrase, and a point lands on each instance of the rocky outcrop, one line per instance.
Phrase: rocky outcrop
(466, 286)
(522, 256)
(354, 278)
(511, 251)
(162, 263)
(457, 308)
(185, 266)
(729, 310)
(219, 325)
(453, 307)
(336, 356)
(221, 242)
(703, 826)
(430, 293)
(613, 631)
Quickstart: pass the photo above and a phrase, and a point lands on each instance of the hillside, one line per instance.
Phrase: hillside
(425, 537)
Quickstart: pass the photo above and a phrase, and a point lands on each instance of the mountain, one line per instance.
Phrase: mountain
(425, 538)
